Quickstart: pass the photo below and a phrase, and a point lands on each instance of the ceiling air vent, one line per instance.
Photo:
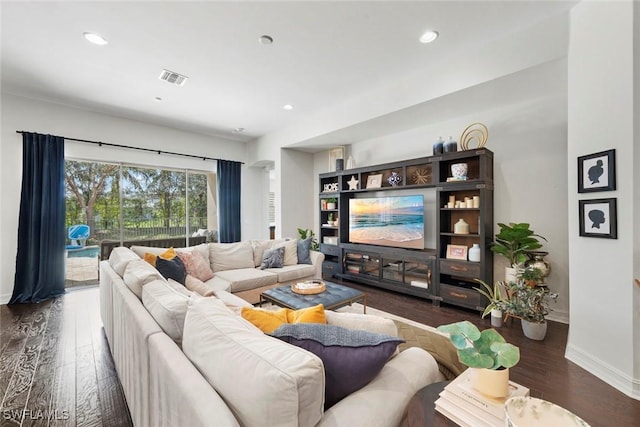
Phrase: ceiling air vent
(173, 78)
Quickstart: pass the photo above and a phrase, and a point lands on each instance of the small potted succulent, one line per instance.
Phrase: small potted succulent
(487, 353)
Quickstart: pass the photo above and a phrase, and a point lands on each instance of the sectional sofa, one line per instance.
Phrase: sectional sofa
(185, 359)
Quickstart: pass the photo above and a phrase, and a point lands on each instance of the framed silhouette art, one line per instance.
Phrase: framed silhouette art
(598, 218)
(597, 172)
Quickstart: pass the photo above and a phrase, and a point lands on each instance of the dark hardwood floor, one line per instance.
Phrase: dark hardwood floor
(55, 366)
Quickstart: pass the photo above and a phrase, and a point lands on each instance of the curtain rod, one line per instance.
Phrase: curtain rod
(129, 147)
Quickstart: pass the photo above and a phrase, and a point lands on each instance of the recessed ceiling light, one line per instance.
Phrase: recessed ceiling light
(265, 39)
(428, 36)
(288, 107)
(238, 130)
(95, 38)
(157, 98)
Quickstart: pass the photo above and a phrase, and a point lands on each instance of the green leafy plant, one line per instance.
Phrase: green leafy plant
(332, 200)
(532, 276)
(305, 233)
(514, 240)
(528, 303)
(486, 349)
(493, 294)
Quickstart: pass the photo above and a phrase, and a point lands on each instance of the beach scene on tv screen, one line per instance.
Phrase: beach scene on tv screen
(388, 221)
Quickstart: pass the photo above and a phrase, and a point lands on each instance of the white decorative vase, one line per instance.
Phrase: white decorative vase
(534, 330)
(474, 253)
(461, 227)
(496, 318)
(491, 382)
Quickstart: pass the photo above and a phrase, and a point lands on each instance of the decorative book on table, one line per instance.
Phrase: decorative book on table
(463, 401)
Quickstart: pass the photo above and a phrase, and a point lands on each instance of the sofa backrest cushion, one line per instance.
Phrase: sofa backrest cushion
(203, 249)
(263, 380)
(231, 256)
(120, 257)
(137, 274)
(351, 358)
(259, 246)
(167, 307)
(290, 251)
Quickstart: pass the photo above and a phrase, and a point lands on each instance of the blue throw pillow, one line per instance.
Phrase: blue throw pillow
(272, 258)
(304, 251)
(172, 269)
(351, 358)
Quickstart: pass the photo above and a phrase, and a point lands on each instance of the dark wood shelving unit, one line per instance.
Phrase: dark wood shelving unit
(425, 273)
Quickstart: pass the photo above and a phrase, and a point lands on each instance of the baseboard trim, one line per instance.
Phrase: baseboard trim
(607, 373)
(559, 316)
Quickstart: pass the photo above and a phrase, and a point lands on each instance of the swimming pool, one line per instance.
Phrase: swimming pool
(86, 252)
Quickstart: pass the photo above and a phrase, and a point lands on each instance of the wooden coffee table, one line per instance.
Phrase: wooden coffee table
(334, 297)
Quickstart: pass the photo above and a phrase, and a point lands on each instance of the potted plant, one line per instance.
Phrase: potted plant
(494, 295)
(331, 203)
(487, 353)
(531, 305)
(513, 242)
(532, 276)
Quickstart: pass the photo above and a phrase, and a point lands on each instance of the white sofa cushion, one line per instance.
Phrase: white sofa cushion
(259, 246)
(120, 257)
(203, 249)
(167, 306)
(290, 273)
(265, 381)
(230, 256)
(290, 251)
(247, 278)
(138, 273)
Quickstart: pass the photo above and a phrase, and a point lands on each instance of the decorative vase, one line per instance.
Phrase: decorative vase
(534, 330)
(351, 163)
(491, 382)
(339, 164)
(459, 171)
(450, 146)
(438, 146)
(496, 318)
(474, 253)
(394, 179)
(536, 260)
(461, 227)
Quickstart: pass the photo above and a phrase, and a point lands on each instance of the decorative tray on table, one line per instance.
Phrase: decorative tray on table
(309, 287)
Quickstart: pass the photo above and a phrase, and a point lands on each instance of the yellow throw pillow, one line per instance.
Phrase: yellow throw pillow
(313, 314)
(268, 321)
(169, 254)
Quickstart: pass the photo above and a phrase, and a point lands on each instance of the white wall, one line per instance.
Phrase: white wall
(297, 202)
(35, 116)
(601, 117)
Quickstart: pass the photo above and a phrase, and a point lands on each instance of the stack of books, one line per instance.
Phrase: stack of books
(462, 404)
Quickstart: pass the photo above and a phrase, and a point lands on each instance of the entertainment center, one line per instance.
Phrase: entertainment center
(374, 240)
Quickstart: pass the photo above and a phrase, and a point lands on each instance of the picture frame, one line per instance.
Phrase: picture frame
(457, 252)
(374, 181)
(597, 172)
(598, 218)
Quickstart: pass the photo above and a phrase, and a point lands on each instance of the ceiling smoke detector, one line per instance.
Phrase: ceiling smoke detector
(173, 78)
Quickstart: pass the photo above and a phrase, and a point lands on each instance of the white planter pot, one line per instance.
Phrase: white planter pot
(533, 330)
(331, 206)
(496, 318)
(491, 382)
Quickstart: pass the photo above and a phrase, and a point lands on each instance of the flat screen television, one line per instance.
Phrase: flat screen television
(396, 221)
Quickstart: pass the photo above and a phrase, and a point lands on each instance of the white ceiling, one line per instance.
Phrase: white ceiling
(323, 53)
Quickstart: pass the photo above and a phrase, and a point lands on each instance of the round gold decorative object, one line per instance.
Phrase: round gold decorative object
(309, 287)
(474, 136)
(422, 176)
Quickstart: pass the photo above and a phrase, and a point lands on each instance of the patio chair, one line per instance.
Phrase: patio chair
(78, 234)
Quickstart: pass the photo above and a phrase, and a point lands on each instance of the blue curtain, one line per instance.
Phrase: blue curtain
(40, 262)
(229, 201)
